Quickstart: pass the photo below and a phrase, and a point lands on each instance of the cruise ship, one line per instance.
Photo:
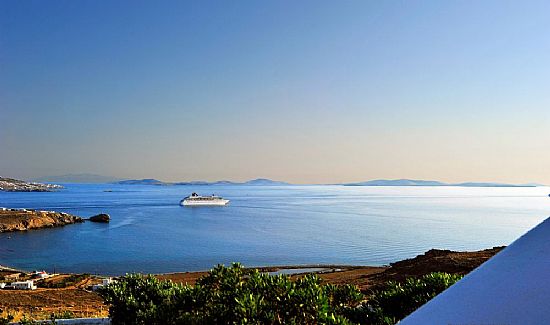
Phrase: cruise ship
(198, 200)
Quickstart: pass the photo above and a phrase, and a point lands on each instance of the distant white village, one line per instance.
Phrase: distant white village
(30, 210)
(15, 280)
(27, 284)
(15, 185)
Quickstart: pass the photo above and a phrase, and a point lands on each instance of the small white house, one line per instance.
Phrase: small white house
(2, 285)
(104, 282)
(40, 274)
(24, 285)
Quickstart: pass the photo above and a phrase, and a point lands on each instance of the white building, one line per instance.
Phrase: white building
(2, 285)
(104, 282)
(24, 285)
(40, 274)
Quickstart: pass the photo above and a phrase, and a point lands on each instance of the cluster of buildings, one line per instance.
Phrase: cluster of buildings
(19, 285)
(29, 210)
(26, 281)
(23, 284)
(14, 185)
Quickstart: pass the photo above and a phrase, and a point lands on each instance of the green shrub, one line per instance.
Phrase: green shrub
(26, 321)
(229, 295)
(398, 300)
(5, 320)
(67, 314)
(137, 299)
(234, 295)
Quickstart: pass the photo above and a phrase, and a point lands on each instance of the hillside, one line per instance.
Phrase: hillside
(15, 185)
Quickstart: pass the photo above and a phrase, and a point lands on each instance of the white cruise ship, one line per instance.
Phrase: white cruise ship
(198, 200)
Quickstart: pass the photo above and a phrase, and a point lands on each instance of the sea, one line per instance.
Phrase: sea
(312, 225)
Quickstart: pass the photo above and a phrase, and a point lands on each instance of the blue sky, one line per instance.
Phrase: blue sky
(308, 91)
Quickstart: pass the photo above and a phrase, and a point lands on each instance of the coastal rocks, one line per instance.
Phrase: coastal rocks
(15, 185)
(436, 260)
(102, 217)
(22, 219)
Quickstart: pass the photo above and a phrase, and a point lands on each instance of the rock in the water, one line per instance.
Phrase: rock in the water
(102, 217)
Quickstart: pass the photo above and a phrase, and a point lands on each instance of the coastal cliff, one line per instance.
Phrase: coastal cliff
(15, 185)
(20, 220)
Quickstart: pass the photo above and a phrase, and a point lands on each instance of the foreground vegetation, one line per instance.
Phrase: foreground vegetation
(397, 300)
(235, 295)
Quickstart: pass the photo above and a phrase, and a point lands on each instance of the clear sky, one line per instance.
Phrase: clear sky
(301, 91)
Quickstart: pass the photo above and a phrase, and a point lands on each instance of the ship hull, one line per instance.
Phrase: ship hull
(204, 203)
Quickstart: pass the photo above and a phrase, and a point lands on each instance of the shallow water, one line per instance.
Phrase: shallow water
(265, 225)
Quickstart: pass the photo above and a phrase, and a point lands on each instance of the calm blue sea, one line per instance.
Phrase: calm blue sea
(265, 225)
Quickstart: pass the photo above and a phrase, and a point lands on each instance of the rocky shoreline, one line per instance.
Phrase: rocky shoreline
(42, 302)
(24, 219)
(370, 277)
(15, 185)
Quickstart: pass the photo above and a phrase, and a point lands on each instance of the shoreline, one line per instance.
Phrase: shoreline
(324, 268)
(11, 269)
(368, 276)
(274, 268)
(75, 297)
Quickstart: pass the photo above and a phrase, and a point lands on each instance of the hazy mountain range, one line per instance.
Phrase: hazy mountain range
(414, 182)
(377, 182)
(151, 181)
(77, 178)
(93, 178)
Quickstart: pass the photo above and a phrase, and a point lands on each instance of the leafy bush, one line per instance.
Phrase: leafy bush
(67, 314)
(26, 321)
(6, 320)
(397, 300)
(234, 295)
(137, 299)
(230, 295)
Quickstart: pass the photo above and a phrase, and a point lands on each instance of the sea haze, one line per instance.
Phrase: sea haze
(265, 225)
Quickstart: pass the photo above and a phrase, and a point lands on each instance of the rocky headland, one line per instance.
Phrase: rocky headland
(15, 185)
(23, 219)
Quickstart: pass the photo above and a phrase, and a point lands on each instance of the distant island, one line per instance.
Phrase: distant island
(145, 181)
(77, 178)
(414, 182)
(16, 185)
(99, 179)
(152, 181)
(377, 182)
